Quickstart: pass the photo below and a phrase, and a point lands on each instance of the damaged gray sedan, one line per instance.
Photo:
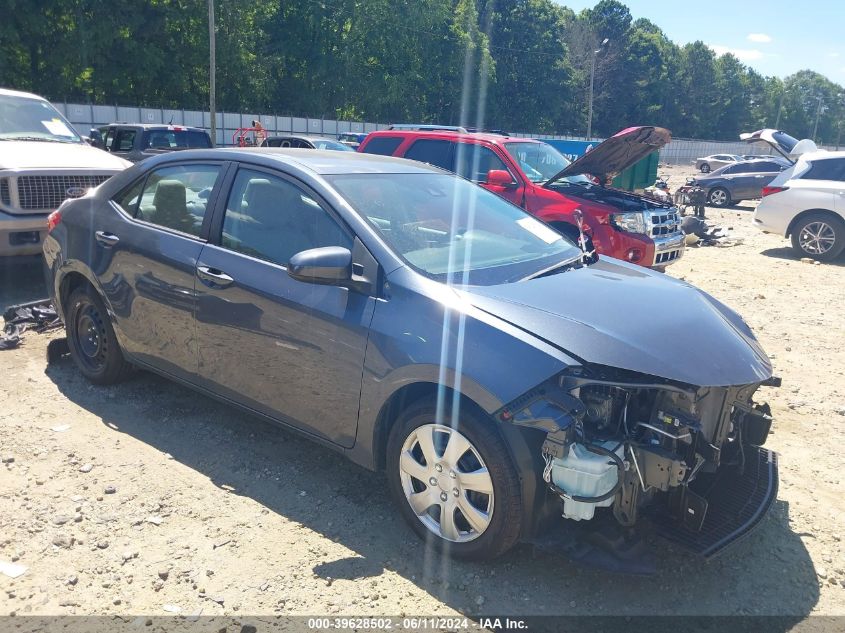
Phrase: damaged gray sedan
(513, 387)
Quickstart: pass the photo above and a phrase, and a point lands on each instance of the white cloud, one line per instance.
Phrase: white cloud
(742, 54)
(759, 37)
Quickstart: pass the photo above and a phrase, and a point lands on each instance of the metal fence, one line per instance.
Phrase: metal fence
(85, 116)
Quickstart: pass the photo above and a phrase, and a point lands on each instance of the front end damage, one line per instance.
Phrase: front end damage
(633, 449)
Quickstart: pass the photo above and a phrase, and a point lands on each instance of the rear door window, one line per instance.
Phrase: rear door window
(830, 169)
(383, 145)
(177, 197)
(434, 152)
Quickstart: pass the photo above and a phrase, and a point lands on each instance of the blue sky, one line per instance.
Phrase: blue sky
(775, 37)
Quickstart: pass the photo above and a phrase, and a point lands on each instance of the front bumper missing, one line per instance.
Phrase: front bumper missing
(736, 501)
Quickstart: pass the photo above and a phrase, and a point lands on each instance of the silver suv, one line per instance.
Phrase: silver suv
(43, 161)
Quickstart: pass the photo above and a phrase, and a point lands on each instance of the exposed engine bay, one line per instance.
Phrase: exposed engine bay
(645, 447)
(624, 201)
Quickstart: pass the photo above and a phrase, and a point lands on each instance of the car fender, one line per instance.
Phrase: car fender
(410, 345)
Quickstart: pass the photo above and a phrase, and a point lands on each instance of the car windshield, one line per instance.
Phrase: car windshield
(324, 144)
(541, 162)
(23, 118)
(452, 230)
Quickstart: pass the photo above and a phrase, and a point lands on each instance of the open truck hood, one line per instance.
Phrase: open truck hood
(617, 153)
(621, 315)
(784, 144)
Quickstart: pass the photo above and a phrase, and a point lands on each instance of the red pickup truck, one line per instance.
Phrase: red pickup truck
(538, 178)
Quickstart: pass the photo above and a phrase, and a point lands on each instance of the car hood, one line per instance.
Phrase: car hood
(617, 153)
(784, 144)
(620, 315)
(38, 155)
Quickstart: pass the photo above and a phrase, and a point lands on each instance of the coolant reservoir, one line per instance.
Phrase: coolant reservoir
(586, 474)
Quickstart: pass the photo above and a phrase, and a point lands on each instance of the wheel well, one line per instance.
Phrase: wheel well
(70, 282)
(803, 214)
(400, 400)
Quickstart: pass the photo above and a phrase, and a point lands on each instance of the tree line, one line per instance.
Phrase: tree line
(521, 65)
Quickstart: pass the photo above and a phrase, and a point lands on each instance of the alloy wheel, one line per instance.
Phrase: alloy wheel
(446, 483)
(817, 238)
(718, 198)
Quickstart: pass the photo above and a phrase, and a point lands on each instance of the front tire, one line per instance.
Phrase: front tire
(91, 339)
(719, 197)
(456, 487)
(820, 236)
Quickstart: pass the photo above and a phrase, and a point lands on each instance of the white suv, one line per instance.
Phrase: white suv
(43, 161)
(807, 203)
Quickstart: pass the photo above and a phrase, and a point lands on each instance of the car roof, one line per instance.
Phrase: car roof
(321, 162)
(454, 136)
(303, 138)
(157, 126)
(16, 93)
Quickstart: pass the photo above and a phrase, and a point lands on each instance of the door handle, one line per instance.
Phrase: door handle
(213, 277)
(106, 239)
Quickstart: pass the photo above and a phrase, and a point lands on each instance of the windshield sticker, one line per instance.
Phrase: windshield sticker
(545, 233)
(57, 128)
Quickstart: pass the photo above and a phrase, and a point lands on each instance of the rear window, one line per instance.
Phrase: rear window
(384, 145)
(830, 169)
(433, 152)
(175, 139)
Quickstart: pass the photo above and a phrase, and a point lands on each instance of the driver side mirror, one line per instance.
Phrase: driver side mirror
(96, 139)
(500, 178)
(328, 265)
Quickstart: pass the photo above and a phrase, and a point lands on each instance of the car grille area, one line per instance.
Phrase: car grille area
(48, 192)
(737, 500)
(5, 197)
(664, 222)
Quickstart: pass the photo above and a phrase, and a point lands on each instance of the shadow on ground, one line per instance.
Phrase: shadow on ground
(786, 252)
(21, 280)
(769, 572)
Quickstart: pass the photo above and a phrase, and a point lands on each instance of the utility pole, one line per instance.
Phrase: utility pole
(780, 108)
(212, 72)
(592, 80)
(818, 114)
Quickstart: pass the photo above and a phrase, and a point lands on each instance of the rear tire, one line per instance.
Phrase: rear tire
(91, 339)
(820, 236)
(483, 525)
(719, 197)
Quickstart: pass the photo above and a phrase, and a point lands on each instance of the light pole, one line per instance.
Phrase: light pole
(212, 71)
(592, 80)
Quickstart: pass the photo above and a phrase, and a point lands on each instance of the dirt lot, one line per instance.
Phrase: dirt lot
(146, 498)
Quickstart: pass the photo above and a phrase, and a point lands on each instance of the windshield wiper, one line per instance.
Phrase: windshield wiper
(560, 267)
(33, 138)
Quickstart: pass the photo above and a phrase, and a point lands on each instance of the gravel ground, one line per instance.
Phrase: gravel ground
(146, 498)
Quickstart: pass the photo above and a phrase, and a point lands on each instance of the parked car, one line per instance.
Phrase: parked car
(137, 141)
(420, 324)
(805, 203)
(709, 163)
(352, 139)
(42, 161)
(740, 181)
(537, 177)
(305, 142)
